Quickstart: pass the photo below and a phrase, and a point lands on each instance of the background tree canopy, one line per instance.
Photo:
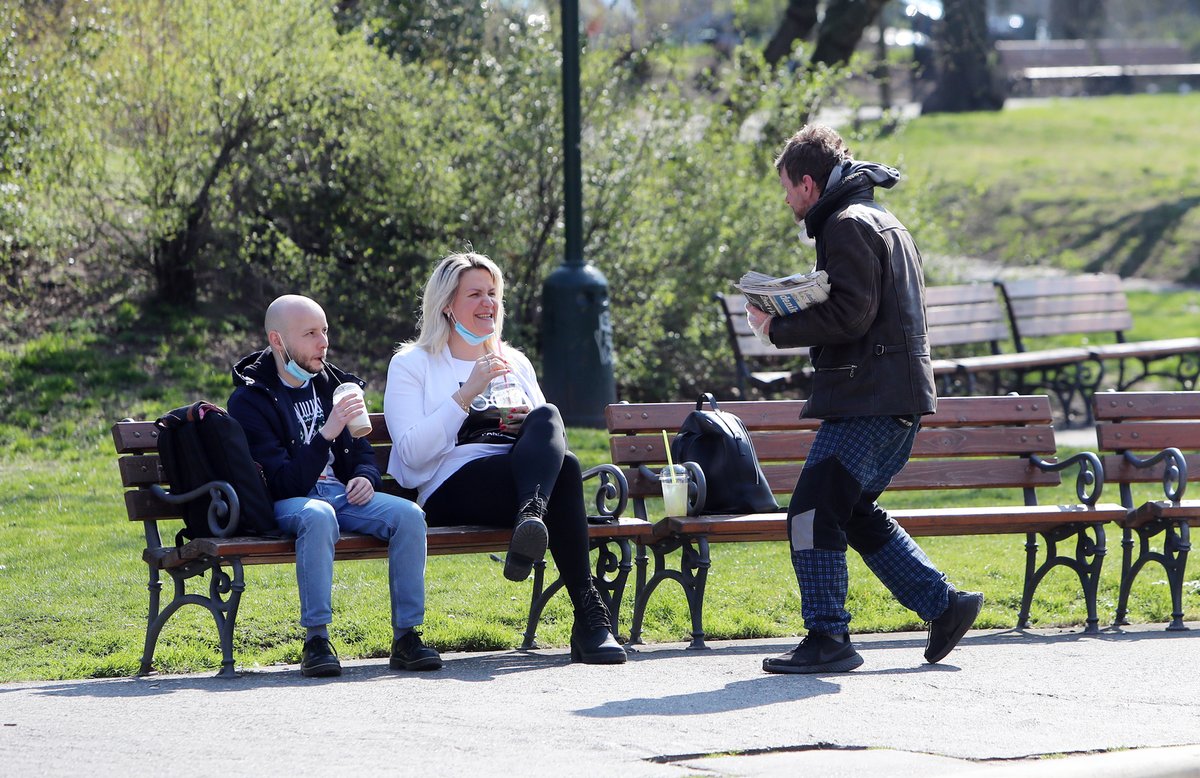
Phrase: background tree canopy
(212, 154)
(192, 159)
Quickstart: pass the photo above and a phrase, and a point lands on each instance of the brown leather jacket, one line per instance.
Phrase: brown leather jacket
(869, 341)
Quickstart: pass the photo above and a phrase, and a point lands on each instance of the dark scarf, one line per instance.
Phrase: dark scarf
(850, 180)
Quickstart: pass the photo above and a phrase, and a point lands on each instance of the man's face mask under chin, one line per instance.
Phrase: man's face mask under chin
(293, 368)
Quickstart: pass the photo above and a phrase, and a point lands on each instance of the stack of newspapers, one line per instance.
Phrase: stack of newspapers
(781, 296)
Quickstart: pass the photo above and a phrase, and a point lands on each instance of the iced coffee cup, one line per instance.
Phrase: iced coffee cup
(508, 396)
(361, 424)
(674, 482)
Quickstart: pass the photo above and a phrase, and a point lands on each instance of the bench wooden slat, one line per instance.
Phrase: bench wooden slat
(134, 437)
(351, 545)
(1068, 300)
(918, 474)
(1138, 406)
(953, 295)
(1149, 436)
(961, 332)
(1146, 349)
(1187, 511)
(930, 442)
(1024, 360)
(785, 414)
(919, 522)
(1089, 283)
(1040, 326)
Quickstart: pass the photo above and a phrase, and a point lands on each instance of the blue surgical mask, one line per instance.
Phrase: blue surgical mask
(295, 371)
(468, 336)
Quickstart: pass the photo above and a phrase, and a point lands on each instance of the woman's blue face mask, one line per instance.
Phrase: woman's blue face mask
(468, 336)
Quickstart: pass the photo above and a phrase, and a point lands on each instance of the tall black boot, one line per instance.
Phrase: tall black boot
(529, 538)
(592, 640)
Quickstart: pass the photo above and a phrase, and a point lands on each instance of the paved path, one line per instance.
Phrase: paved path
(1001, 699)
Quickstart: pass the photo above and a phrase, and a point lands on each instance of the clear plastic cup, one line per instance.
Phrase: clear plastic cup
(674, 482)
(360, 425)
(508, 396)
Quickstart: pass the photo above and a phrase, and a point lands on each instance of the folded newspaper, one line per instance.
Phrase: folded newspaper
(781, 296)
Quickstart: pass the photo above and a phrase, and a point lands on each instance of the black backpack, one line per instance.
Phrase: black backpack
(719, 442)
(201, 443)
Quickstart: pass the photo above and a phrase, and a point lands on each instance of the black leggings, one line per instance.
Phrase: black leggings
(489, 491)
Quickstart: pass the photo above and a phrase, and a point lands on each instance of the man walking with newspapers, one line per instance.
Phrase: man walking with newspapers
(872, 383)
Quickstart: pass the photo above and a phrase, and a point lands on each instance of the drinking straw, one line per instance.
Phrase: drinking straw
(500, 353)
(670, 464)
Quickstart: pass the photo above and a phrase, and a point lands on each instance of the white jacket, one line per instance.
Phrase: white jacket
(423, 419)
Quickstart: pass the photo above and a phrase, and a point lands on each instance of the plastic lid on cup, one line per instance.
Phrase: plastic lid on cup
(673, 473)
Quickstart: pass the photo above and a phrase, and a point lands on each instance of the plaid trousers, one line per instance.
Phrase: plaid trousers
(851, 462)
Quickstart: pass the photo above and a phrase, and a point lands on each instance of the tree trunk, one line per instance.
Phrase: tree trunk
(966, 79)
(842, 29)
(798, 22)
(1076, 19)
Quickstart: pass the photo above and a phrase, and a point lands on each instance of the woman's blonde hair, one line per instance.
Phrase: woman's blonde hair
(434, 326)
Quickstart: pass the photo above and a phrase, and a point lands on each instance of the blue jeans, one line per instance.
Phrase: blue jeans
(315, 521)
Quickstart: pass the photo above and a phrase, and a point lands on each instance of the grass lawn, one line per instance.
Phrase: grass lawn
(1088, 185)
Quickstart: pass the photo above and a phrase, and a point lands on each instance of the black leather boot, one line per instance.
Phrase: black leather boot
(529, 538)
(592, 640)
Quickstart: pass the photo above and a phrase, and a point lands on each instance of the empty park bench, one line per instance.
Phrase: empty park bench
(964, 321)
(1081, 67)
(971, 443)
(221, 560)
(1081, 307)
(1149, 438)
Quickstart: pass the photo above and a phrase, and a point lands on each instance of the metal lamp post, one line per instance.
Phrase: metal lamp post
(577, 353)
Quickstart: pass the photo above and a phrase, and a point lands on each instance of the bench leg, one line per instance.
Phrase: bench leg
(537, 602)
(224, 596)
(155, 588)
(1128, 573)
(692, 576)
(1072, 385)
(1086, 562)
(639, 597)
(1173, 558)
(1184, 372)
(612, 573)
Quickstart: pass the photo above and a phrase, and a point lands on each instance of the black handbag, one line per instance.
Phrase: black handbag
(720, 444)
(483, 426)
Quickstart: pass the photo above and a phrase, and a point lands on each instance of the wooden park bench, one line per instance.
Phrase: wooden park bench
(971, 443)
(1067, 68)
(1149, 438)
(1084, 306)
(221, 560)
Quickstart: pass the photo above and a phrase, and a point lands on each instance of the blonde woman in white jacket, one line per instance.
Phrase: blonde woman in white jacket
(477, 455)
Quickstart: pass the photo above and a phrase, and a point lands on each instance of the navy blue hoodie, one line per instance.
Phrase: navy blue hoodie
(261, 404)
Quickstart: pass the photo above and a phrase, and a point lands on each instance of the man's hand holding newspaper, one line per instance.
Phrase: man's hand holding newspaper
(781, 296)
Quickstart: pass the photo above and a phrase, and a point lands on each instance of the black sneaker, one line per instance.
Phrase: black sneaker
(320, 660)
(817, 653)
(946, 630)
(410, 653)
